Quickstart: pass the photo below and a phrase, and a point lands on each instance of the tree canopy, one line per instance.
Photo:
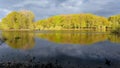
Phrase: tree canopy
(18, 20)
(115, 20)
(24, 19)
(73, 21)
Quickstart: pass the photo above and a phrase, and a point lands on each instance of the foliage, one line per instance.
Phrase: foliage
(18, 20)
(116, 31)
(73, 21)
(115, 23)
(115, 20)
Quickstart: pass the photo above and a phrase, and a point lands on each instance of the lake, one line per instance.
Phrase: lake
(59, 49)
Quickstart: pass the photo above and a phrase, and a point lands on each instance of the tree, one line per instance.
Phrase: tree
(74, 21)
(115, 20)
(18, 20)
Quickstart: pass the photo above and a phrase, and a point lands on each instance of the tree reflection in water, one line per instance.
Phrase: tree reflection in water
(79, 38)
(19, 40)
(26, 40)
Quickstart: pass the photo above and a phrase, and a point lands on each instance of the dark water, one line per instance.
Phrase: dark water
(66, 49)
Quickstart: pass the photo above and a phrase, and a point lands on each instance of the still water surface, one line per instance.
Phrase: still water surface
(47, 46)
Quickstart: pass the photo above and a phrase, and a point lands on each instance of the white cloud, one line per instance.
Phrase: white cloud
(45, 8)
(39, 3)
(3, 12)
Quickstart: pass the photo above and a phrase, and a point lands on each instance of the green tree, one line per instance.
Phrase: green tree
(18, 20)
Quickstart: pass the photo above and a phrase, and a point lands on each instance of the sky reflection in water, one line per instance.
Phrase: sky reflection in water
(77, 48)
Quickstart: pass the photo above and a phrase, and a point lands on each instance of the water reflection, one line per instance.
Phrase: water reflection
(114, 38)
(79, 38)
(26, 40)
(19, 40)
(65, 55)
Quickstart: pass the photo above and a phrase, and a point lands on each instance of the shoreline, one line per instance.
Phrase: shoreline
(60, 30)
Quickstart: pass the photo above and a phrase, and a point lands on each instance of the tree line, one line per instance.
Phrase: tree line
(24, 20)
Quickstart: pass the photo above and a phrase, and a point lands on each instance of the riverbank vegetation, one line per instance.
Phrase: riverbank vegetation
(116, 31)
(115, 20)
(18, 20)
(24, 20)
(73, 21)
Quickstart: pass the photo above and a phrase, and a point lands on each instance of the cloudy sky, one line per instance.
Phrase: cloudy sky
(46, 8)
